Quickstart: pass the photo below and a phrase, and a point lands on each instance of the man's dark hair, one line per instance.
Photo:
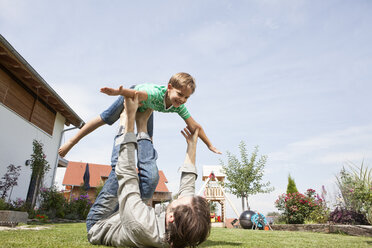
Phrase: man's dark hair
(191, 225)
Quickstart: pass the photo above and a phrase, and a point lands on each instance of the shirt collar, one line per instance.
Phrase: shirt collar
(165, 105)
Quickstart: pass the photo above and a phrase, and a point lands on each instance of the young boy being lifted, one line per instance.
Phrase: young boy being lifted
(167, 99)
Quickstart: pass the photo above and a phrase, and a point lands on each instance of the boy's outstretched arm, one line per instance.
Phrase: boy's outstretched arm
(193, 125)
(86, 129)
(142, 95)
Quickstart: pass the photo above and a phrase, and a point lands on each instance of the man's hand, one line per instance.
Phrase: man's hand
(191, 137)
(192, 140)
(130, 106)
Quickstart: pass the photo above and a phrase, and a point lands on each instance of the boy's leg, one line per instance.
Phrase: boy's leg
(147, 169)
(146, 160)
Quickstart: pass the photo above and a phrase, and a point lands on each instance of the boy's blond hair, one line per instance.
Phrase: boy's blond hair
(181, 80)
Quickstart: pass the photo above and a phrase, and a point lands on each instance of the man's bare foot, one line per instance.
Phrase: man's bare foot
(65, 148)
(141, 120)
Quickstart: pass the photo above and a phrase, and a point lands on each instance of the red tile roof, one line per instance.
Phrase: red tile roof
(162, 187)
(75, 172)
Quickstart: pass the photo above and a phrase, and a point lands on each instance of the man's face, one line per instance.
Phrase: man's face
(186, 200)
(178, 97)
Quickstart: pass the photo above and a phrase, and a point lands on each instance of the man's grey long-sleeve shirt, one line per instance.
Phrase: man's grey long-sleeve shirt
(136, 224)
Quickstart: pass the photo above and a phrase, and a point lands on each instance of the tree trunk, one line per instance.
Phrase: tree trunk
(249, 208)
(31, 189)
(243, 207)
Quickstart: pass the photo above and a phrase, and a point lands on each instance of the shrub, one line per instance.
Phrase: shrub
(9, 180)
(52, 203)
(79, 207)
(42, 217)
(344, 216)
(4, 205)
(297, 207)
(355, 186)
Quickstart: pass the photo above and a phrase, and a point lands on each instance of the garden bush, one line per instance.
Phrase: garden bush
(355, 186)
(344, 216)
(297, 207)
(79, 207)
(4, 205)
(54, 205)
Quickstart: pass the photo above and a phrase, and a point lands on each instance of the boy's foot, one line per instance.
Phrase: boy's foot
(63, 150)
(141, 120)
(112, 91)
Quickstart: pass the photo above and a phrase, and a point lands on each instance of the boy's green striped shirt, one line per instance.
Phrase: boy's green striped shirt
(155, 100)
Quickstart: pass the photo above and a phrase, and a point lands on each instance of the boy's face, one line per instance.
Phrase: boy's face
(179, 96)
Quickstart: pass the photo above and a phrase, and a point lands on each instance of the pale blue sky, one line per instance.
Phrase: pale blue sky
(293, 77)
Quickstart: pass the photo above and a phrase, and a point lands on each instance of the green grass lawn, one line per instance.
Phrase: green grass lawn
(74, 235)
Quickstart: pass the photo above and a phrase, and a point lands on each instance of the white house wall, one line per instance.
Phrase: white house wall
(16, 136)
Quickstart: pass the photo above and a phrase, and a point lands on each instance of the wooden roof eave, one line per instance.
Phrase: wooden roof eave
(20, 68)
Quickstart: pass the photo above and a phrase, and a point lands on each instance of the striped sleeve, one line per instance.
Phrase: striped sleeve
(183, 112)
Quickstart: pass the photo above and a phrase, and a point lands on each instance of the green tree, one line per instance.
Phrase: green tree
(291, 187)
(244, 178)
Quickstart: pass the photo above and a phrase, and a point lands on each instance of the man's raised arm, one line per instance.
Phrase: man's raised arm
(188, 169)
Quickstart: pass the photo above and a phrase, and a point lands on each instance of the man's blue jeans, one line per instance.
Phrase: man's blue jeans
(107, 201)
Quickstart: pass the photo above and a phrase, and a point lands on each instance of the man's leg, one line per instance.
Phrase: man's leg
(106, 202)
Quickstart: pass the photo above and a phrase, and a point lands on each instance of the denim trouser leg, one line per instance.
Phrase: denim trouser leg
(106, 202)
(147, 169)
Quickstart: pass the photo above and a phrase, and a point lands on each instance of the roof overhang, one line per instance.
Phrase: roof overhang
(21, 69)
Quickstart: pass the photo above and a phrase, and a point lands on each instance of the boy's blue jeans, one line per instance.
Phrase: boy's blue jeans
(107, 201)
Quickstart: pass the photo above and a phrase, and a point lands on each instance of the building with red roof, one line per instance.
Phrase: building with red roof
(98, 173)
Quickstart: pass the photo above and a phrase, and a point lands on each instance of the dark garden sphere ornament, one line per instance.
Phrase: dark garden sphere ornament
(245, 219)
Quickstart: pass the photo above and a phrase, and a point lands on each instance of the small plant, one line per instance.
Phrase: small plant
(79, 207)
(355, 187)
(4, 205)
(9, 180)
(42, 217)
(344, 216)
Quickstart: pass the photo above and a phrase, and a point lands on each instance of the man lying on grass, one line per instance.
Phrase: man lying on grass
(186, 221)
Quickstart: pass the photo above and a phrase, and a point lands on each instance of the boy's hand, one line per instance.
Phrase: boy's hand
(214, 149)
(111, 91)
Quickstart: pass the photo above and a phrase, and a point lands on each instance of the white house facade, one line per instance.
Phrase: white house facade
(29, 109)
